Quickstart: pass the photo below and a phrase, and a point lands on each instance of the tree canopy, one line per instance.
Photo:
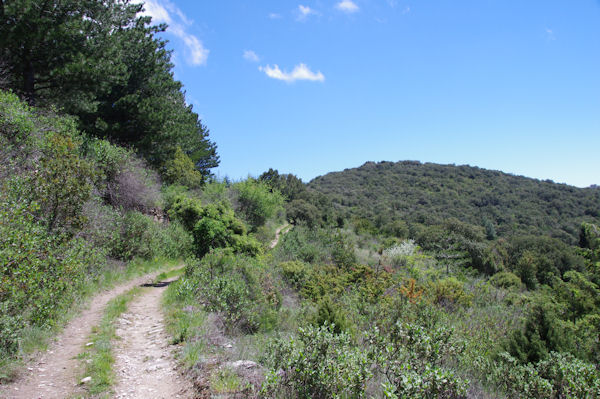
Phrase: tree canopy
(105, 64)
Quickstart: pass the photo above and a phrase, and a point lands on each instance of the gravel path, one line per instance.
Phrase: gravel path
(53, 374)
(144, 362)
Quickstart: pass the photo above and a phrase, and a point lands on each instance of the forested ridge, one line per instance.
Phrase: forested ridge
(428, 193)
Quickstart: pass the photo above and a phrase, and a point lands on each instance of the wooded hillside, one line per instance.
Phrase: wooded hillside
(427, 193)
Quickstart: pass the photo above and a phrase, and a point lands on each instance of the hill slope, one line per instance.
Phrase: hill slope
(428, 193)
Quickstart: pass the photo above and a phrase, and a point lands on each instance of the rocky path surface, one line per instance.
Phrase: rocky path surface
(144, 362)
(54, 373)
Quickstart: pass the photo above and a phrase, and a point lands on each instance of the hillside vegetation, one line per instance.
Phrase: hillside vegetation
(391, 196)
(93, 126)
(344, 309)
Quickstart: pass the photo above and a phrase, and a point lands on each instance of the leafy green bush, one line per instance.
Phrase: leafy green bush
(219, 228)
(449, 292)
(258, 202)
(329, 314)
(318, 364)
(40, 273)
(558, 376)
(296, 273)
(412, 360)
(181, 170)
(505, 280)
(231, 285)
(142, 237)
(187, 210)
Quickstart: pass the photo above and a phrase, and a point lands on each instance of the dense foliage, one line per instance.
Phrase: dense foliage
(387, 194)
(71, 207)
(455, 311)
(104, 64)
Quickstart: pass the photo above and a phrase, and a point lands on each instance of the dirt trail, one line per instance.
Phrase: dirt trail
(144, 362)
(54, 373)
(278, 234)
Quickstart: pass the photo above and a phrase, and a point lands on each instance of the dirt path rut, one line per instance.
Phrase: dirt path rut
(53, 375)
(144, 362)
(280, 230)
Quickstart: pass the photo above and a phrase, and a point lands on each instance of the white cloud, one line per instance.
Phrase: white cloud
(550, 34)
(155, 10)
(251, 56)
(406, 10)
(196, 53)
(347, 6)
(163, 11)
(274, 15)
(300, 72)
(304, 12)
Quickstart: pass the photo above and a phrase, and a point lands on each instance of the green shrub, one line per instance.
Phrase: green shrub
(329, 314)
(230, 284)
(296, 273)
(180, 169)
(542, 333)
(40, 273)
(142, 237)
(342, 252)
(559, 376)
(318, 364)
(449, 293)
(63, 182)
(411, 358)
(505, 280)
(258, 202)
(219, 228)
(185, 209)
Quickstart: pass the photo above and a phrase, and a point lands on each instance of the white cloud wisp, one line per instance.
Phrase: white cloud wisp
(251, 56)
(347, 6)
(163, 11)
(300, 72)
(304, 12)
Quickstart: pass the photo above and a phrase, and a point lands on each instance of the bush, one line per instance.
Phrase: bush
(559, 376)
(296, 273)
(411, 358)
(449, 293)
(185, 209)
(231, 285)
(143, 238)
(505, 280)
(63, 182)
(181, 170)
(40, 274)
(318, 364)
(329, 314)
(258, 202)
(219, 228)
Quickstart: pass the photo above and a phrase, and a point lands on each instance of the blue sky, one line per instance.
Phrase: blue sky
(314, 86)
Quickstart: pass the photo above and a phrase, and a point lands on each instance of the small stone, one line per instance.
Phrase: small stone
(89, 344)
(86, 380)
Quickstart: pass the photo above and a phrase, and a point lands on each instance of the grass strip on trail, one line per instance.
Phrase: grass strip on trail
(99, 357)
